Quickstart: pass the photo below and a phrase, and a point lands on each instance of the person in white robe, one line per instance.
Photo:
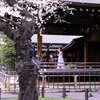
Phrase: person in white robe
(60, 63)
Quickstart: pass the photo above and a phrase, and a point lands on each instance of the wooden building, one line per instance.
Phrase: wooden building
(84, 21)
(78, 49)
(49, 51)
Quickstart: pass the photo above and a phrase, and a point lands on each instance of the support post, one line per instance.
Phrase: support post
(86, 94)
(39, 45)
(64, 92)
(85, 52)
(75, 81)
(8, 83)
(43, 85)
(43, 91)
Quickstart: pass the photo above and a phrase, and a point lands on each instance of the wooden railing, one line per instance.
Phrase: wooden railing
(70, 65)
(76, 77)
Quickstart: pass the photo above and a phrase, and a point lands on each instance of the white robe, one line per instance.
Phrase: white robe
(60, 64)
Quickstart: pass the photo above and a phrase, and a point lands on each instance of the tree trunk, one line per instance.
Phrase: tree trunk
(28, 82)
(26, 69)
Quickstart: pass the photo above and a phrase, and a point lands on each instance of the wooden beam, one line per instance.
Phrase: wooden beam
(39, 45)
(85, 52)
(82, 4)
(63, 29)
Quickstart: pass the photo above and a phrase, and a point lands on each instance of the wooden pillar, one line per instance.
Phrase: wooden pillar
(86, 94)
(8, 83)
(75, 81)
(64, 91)
(43, 85)
(85, 52)
(39, 45)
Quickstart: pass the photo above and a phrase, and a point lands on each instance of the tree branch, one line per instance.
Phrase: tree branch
(4, 27)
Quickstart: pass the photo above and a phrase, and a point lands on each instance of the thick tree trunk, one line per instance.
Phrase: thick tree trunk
(26, 69)
(28, 82)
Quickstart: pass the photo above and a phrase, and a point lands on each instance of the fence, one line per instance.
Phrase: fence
(69, 81)
(77, 77)
(71, 65)
(9, 82)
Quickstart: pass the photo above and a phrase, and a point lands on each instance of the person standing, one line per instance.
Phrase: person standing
(60, 64)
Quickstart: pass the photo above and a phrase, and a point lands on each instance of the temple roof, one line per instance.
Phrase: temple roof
(77, 22)
(74, 43)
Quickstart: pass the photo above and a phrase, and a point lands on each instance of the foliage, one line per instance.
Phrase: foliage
(55, 99)
(9, 99)
(43, 99)
(39, 11)
(7, 52)
(10, 2)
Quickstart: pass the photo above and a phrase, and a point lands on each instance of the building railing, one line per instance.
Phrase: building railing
(76, 77)
(9, 82)
(70, 65)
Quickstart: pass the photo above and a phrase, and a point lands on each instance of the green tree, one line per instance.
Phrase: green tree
(7, 52)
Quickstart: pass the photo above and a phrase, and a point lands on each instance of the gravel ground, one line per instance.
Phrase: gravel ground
(73, 95)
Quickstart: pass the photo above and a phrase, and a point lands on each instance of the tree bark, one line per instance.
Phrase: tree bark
(26, 69)
(28, 79)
